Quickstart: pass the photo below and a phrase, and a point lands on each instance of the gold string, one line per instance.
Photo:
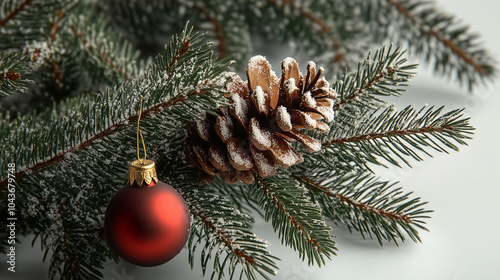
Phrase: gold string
(139, 133)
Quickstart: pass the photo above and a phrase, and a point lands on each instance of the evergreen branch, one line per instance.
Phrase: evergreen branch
(363, 88)
(240, 195)
(401, 134)
(367, 205)
(98, 136)
(223, 228)
(169, 92)
(77, 252)
(432, 32)
(105, 57)
(323, 26)
(299, 222)
(222, 236)
(434, 35)
(29, 21)
(387, 134)
(67, 214)
(354, 203)
(55, 25)
(226, 28)
(13, 66)
(48, 38)
(73, 267)
(14, 12)
(385, 74)
(56, 69)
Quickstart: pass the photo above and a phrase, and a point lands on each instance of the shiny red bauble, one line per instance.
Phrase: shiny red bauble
(147, 225)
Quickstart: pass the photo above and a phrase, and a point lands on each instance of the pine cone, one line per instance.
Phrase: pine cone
(253, 135)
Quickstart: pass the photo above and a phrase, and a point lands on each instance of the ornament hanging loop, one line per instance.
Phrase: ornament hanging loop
(139, 133)
(141, 170)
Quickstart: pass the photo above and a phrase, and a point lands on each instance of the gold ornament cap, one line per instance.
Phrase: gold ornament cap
(142, 170)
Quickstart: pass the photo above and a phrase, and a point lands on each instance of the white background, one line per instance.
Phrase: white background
(462, 188)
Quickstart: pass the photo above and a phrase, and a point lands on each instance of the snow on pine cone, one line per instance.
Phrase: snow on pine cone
(253, 134)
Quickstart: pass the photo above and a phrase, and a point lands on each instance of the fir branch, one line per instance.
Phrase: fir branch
(66, 211)
(240, 195)
(55, 25)
(367, 205)
(401, 134)
(73, 267)
(222, 236)
(223, 22)
(323, 26)
(385, 73)
(99, 136)
(354, 203)
(178, 54)
(364, 87)
(434, 33)
(218, 224)
(299, 222)
(72, 255)
(104, 55)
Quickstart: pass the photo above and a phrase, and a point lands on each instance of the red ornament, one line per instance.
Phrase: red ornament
(146, 223)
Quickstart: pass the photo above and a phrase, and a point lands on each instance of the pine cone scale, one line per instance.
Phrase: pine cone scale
(217, 155)
(224, 128)
(238, 156)
(283, 152)
(261, 139)
(264, 162)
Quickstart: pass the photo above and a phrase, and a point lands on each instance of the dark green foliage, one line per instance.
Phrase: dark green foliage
(369, 206)
(224, 233)
(436, 36)
(71, 153)
(336, 32)
(36, 16)
(76, 121)
(396, 136)
(298, 221)
(94, 131)
(382, 74)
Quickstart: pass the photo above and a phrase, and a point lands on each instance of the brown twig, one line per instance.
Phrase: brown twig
(15, 12)
(218, 29)
(354, 203)
(339, 57)
(448, 43)
(222, 236)
(12, 76)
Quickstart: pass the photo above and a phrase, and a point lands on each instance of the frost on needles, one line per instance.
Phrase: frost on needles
(75, 133)
(72, 159)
